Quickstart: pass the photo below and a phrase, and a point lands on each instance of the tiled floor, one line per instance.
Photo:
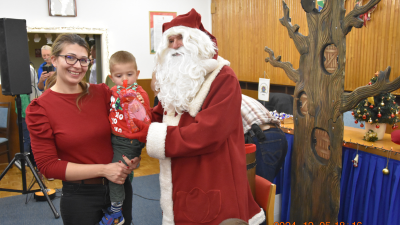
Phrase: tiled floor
(13, 178)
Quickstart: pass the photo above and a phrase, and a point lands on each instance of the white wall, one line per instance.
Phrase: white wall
(126, 21)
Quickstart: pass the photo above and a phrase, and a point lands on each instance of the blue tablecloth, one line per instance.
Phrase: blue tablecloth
(366, 194)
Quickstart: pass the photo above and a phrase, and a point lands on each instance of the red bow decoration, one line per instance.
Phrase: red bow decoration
(366, 16)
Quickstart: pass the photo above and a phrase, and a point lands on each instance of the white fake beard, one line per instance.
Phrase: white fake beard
(179, 78)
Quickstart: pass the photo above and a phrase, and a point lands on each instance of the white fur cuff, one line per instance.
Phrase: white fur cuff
(258, 218)
(156, 140)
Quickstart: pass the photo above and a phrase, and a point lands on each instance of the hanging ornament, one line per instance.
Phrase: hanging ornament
(370, 120)
(367, 114)
(388, 98)
(362, 125)
(379, 115)
(365, 110)
(392, 115)
(394, 102)
(386, 170)
(371, 100)
(377, 126)
(382, 103)
(355, 160)
(356, 121)
(366, 103)
(369, 83)
(376, 120)
(352, 113)
(364, 117)
(358, 111)
(371, 106)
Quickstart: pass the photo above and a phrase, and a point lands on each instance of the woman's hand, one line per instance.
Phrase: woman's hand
(118, 171)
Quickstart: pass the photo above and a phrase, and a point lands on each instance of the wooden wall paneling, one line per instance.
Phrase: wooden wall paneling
(146, 85)
(244, 28)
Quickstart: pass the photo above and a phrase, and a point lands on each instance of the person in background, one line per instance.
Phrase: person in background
(125, 105)
(71, 136)
(196, 130)
(46, 69)
(263, 129)
(93, 74)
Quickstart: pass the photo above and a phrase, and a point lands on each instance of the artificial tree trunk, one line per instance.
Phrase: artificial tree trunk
(318, 108)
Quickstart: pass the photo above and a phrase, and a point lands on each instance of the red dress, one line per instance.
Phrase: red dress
(202, 156)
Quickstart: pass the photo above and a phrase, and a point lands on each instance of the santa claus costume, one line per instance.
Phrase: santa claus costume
(201, 145)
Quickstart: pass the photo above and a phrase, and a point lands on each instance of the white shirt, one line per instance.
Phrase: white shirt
(93, 74)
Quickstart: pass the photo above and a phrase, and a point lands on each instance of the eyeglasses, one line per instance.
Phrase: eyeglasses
(71, 60)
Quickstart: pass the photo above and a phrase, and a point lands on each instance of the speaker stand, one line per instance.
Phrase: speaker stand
(24, 157)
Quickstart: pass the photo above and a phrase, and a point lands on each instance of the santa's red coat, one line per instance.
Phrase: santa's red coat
(202, 157)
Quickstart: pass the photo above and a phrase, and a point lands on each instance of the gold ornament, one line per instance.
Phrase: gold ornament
(371, 100)
(370, 120)
(385, 171)
(382, 103)
(358, 111)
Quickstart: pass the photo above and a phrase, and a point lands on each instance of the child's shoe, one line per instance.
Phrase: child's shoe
(111, 218)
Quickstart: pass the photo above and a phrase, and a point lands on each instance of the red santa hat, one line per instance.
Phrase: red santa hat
(190, 20)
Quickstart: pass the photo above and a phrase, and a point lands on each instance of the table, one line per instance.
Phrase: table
(367, 195)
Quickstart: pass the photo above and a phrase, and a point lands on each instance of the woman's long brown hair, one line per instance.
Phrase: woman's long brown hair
(58, 45)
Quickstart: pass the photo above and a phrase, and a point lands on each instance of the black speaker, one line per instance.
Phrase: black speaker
(14, 57)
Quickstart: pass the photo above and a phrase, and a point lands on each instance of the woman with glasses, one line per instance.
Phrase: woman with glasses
(71, 136)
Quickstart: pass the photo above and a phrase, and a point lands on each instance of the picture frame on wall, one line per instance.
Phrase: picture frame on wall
(157, 19)
(62, 8)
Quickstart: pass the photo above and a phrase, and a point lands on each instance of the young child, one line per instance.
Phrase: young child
(125, 105)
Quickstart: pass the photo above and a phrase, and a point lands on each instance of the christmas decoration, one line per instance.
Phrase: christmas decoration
(386, 170)
(366, 16)
(371, 136)
(384, 112)
(355, 160)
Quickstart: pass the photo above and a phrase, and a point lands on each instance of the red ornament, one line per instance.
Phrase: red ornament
(377, 126)
(352, 113)
(364, 117)
(356, 121)
(392, 115)
(379, 115)
(361, 125)
(369, 83)
(371, 106)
